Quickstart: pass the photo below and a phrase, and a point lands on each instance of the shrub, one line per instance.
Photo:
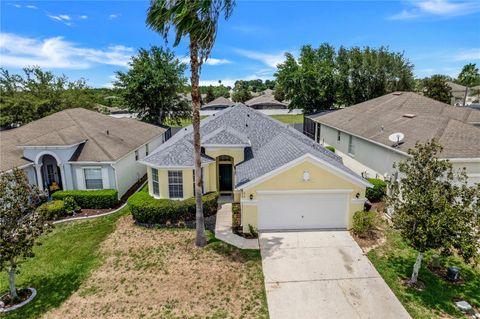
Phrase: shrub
(148, 210)
(236, 216)
(70, 205)
(102, 198)
(364, 223)
(52, 210)
(378, 191)
(330, 148)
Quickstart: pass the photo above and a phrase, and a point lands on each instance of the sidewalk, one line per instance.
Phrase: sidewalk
(223, 230)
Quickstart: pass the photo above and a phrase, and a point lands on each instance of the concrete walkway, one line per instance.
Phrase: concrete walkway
(223, 230)
(323, 274)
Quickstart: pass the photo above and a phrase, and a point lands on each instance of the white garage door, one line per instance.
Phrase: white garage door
(296, 210)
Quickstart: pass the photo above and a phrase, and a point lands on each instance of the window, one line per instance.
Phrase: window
(136, 155)
(339, 136)
(175, 184)
(351, 147)
(146, 150)
(155, 185)
(93, 178)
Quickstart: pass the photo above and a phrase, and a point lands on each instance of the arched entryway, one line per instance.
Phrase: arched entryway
(51, 174)
(225, 174)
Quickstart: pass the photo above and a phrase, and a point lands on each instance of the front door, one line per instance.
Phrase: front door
(225, 177)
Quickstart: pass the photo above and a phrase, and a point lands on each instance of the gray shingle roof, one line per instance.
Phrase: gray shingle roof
(272, 144)
(219, 102)
(105, 138)
(266, 100)
(376, 119)
(225, 136)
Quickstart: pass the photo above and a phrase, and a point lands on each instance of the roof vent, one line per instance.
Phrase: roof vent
(397, 93)
(246, 125)
(108, 133)
(409, 115)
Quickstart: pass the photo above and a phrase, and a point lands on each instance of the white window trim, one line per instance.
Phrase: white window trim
(182, 182)
(158, 184)
(85, 179)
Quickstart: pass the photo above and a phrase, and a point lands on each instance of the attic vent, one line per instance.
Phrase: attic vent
(397, 93)
(409, 115)
(248, 115)
(108, 133)
(246, 125)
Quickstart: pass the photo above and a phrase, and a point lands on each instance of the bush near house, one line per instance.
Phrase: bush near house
(330, 148)
(364, 223)
(148, 210)
(378, 191)
(103, 198)
(52, 210)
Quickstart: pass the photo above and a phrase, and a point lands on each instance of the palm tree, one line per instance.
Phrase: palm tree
(197, 20)
(468, 77)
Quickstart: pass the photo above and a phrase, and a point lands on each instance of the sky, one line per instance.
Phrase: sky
(94, 39)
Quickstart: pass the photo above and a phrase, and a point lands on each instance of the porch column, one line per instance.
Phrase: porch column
(38, 170)
(62, 176)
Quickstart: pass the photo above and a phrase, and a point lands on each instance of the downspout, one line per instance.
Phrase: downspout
(116, 179)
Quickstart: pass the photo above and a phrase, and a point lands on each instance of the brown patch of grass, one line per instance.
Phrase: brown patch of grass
(158, 273)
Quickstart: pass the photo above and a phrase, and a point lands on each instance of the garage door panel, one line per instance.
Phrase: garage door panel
(302, 211)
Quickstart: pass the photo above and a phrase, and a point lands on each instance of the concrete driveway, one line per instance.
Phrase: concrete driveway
(323, 274)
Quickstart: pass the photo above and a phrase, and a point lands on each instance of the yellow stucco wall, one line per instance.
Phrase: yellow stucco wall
(292, 179)
(238, 154)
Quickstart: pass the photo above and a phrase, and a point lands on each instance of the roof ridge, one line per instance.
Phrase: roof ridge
(88, 136)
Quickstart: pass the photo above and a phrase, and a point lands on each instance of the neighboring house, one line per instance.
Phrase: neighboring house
(362, 131)
(282, 179)
(219, 103)
(265, 101)
(80, 149)
(458, 93)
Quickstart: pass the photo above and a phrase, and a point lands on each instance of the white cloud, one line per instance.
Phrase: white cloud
(225, 82)
(16, 5)
(83, 17)
(113, 16)
(272, 60)
(31, 7)
(443, 8)
(210, 61)
(63, 18)
(467, 55)
(18, 51)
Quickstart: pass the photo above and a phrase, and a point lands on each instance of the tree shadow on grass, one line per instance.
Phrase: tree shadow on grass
(51, 292)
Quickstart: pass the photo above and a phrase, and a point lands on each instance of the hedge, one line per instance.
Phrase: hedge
(148, 210)
(330, 148)
(52, 210)
(378, 191)
(364, 223)
(103, 198)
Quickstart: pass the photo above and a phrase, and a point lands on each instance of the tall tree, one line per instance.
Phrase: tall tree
(197, 20)
(434, 207)
(210, 94)
(436, 87)
(37, 93)
(20, 225)
(469, 77)
(152, 84)
(241, 91)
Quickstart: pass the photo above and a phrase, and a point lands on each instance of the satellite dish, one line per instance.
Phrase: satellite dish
(396, 137)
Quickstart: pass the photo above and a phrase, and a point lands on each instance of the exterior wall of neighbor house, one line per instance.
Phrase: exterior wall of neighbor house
(381, 159)
(378, 158)
(129, 170)
(292, 179)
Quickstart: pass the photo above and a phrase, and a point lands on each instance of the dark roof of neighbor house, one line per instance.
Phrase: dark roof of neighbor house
(419, 118)
(219, 102)
(105, 138)
(267, 99)
(272, 144)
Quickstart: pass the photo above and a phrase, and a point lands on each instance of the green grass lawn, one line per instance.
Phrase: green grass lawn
(287, 118)
(395, 260)
(65, 258)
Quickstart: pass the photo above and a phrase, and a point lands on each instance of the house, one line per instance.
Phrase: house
(282, 179)
(361, 132)
(219, 103)
(80, 149)
(265, 101)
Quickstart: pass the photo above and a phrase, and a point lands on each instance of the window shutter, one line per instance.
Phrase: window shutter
(106, 181)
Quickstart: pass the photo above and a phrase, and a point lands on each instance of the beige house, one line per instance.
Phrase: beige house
(361, 132)
(282, 179)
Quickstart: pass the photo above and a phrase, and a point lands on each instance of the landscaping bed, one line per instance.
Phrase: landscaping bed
(435, 296)
(159, 273)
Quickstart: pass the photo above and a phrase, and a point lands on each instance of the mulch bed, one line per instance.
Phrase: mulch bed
(209, 224)
(23, 294)
(419, 285)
